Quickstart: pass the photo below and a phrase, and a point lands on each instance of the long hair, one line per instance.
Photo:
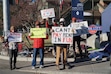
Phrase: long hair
(12, 28)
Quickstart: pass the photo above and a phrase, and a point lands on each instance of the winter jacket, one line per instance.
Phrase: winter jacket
(38, 42)
(55, 24)
(12, 45)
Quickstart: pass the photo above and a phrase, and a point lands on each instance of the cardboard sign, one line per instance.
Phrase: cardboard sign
(15, 37)
(80, 27)
(62, 35)
(38, 32)
(48, 13)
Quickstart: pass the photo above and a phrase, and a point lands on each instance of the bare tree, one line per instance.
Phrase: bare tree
(24, 14)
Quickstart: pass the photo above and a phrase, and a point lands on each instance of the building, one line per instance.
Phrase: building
(90, 6)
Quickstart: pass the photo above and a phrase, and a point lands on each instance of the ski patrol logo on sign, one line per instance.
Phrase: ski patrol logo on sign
(92, 29)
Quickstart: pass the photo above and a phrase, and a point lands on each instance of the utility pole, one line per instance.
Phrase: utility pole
(93, 11)
(6, 18)
(59, 9)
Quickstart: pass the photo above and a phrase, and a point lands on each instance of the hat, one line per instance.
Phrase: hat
(62, 20)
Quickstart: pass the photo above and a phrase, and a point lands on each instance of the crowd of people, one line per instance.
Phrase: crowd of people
(38, 46)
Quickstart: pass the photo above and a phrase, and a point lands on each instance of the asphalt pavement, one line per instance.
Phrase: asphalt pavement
(82, 66)
(6, 71)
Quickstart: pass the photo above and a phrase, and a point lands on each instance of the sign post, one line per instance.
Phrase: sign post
(6, 17)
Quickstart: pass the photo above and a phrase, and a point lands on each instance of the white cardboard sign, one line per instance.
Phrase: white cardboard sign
(15, 37)
(48, 13)
(80, 27)
(62, 35)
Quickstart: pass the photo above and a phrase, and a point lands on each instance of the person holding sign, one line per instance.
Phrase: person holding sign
(76, 39)
(13, 49)
(44, 23)
(61, 48)
(54, 23)
(38, 45)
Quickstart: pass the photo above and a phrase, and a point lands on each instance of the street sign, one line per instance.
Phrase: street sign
(77, 9)
(93, 29)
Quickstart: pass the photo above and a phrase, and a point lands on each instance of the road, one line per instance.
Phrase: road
(4, 69)
(81, 66)
(7, 71)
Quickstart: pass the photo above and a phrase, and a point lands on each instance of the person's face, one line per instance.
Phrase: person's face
(37, 26)
(42, 22)
(73, 19)
(53, 22)
(61, 25)
(12, 30)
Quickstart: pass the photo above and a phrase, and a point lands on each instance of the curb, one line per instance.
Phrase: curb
(56, 72)
(50, 70)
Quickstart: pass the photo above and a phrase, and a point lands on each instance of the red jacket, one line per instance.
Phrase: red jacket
(46, 24)
(55, 24)
(38, 42)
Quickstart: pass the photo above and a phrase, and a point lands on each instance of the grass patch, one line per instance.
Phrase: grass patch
(90, 49)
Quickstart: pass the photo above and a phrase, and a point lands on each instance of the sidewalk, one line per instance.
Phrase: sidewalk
(84, 67)
(30, 58)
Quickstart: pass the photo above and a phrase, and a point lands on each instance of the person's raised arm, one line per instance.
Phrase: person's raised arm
(46, 23)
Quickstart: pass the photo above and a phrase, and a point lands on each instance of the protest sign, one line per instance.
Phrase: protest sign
(62, 35)
(80, 27)
(15, 37)
(48, 13)
(38, 32)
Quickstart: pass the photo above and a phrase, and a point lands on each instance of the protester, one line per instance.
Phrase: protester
(54, 23)
(76, 39)
(13, 49)
(38, 45)
(44, 23)
(61, 49)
